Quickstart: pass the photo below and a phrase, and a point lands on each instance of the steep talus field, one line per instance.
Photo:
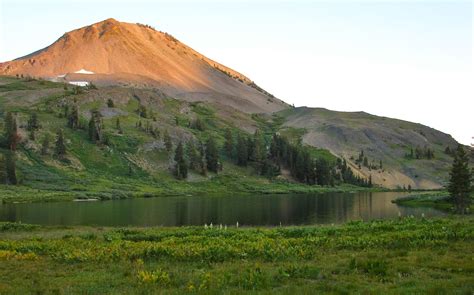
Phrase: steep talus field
(389, 140)
(112, 52)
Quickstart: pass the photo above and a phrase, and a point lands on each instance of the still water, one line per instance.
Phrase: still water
(254, 210)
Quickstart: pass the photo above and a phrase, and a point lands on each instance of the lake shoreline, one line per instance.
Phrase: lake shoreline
(25, 194)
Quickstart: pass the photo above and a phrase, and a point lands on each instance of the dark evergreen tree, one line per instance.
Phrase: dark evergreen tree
(460, 180)
(259, 150)
(3, 169)
(193, 156)
(366, 162)
(242, 150)
(32, 135)
(33, 122)
(212, 155)
(45, 145)
(118, 126)
(323, 171)
(142, 111)
(96, 127)
(10, 163)
(168, 142)
(110, 103)
(73, 118)
(11, 132)
(60, 146)
(202, 159)
(181, 167)
(229, 143)
(198, 124)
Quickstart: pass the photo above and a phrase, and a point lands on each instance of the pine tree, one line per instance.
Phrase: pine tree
(10, 168)
(198, 124)
(168, 142)
(11, 132)
(118, 126)
(45, 145)
(229, 143)
(60, 147)
(369, 183)
(212, 155)
(202, 159)
(73, 118)
(95, 127)
(3, 169)
(181, 167)
(259, 150)
(242, 150)
(193, 156)
(460, 180)
(110, 103)
(33, 123)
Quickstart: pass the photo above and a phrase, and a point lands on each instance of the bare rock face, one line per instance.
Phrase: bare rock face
(116, 53)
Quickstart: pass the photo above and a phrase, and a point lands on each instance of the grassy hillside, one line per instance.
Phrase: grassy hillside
(380, 257)
(134, 162)
(382, 139)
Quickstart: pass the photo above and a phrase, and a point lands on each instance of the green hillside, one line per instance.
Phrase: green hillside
(132, 158)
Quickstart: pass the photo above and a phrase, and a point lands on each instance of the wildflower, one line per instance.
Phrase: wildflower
(210, 225)
(422, 215)
(205, 225)
(220, 226)
(237, 224)
(225, 227)
(399, 214)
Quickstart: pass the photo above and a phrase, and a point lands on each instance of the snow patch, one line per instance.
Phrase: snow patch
(79, 83)
(82, 71)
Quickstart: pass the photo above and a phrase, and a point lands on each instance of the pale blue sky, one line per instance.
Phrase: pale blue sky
(411, 60)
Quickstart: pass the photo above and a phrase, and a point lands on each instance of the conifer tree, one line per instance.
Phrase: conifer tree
(45, 145)
(459, 186)
(118, 126)
(3, 169)
(95, 127)
(229, 143)
(33, 122)
(10, 164)
(202, 159)
(193, 156)
(11, 132)
(242, 150)
(168, 142)
(259, 150)
(60, 146)
(181, 167)
(212, 155)
(73, 118)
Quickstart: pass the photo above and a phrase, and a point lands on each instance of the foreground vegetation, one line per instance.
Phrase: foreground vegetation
(398, 256)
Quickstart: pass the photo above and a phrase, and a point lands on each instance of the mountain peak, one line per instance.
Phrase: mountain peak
(137, 54)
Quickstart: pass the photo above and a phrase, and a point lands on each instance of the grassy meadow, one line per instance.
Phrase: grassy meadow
(392, 257)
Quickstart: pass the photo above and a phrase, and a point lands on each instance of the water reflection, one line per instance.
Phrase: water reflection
(197, 210)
